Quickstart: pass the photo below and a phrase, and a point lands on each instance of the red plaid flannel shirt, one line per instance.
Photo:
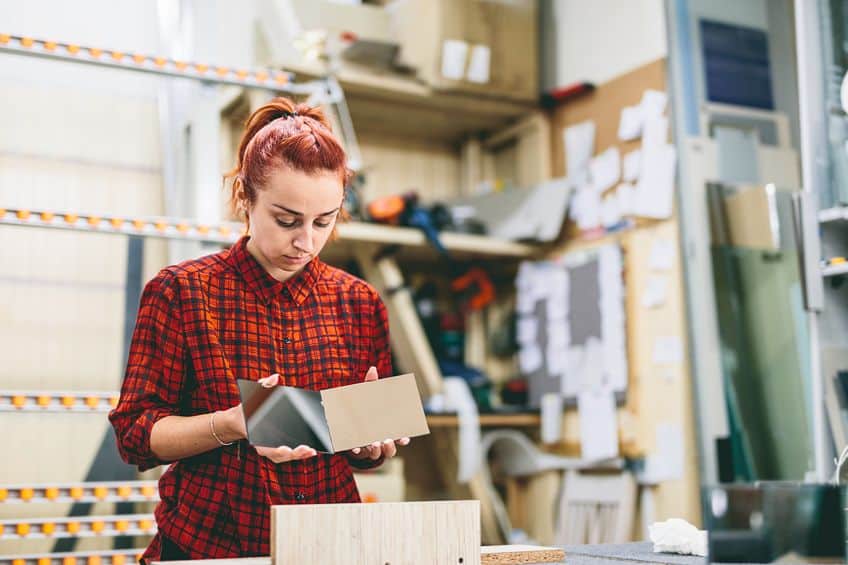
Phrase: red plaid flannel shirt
(201, 325)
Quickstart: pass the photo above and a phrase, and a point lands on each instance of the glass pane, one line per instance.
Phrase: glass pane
(764, 339)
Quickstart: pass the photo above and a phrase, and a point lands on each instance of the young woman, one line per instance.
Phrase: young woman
(267, 306)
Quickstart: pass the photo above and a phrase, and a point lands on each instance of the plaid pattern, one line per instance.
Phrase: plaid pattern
(202, 324)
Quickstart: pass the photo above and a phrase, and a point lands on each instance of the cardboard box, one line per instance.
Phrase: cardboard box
(432, 33)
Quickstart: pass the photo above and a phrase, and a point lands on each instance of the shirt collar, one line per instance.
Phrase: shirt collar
(297, 288)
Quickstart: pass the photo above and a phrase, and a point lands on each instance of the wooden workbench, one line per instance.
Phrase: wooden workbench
(616, 554)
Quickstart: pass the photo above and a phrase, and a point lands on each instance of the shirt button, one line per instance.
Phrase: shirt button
(286, 340)
(300, 496)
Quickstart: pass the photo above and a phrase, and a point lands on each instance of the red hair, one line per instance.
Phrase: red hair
(282, 133)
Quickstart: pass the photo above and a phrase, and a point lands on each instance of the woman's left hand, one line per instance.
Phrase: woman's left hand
(386, 448)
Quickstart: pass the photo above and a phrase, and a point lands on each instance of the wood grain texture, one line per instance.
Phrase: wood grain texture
(516, 554)
(394, 533)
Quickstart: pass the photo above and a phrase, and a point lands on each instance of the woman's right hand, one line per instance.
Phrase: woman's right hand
(282, 454)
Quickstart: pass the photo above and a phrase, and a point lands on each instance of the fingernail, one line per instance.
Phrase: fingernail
(387, 441)
(356, 450)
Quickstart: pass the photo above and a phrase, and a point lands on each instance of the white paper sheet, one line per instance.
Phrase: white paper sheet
(530, 358)
(527, 329)
(478, 66)
(653, 103)
(588, 209)
(662, 255)
(610, 211)
(668, 350)
(655, 191)
(579, 146)
(454, 54)
(598, 425)
(605, 170)
(571, 383)
(626, 194)
(630, 124)
(631, 164)
(557, 360)
(614, 350)
(654, 133)
(592, 370)
(656, 291)
(555, 282)
(551, 416)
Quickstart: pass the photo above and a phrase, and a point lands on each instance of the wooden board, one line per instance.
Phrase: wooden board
(515, 554)
(389, 532)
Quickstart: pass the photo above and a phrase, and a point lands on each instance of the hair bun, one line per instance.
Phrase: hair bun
(314, 113)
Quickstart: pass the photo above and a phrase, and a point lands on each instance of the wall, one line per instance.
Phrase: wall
(599, 40)
(75, 138)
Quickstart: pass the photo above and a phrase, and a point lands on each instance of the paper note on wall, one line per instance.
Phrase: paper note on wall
(631, 164)
(598, 425)
(662, 255)
(626, 194)
(654, 133)
(655, 291)
(551, 416)
(454, 54)
(610, 211)
(587, 212)
(653, 103)
(630, 124)
(478, 66)
(527, 329)
(579, 146)
(530, 358)
(656, 183)
(668, 350)
(605, 170)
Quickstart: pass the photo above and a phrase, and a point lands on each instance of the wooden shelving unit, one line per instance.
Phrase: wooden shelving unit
(526, 420)
(396, 104)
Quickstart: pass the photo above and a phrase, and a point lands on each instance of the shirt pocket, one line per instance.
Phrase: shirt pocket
(325, 361)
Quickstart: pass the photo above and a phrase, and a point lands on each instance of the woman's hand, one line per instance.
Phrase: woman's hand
(386, 448)
(282, 454)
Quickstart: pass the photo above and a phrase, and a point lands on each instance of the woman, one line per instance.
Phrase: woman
(265, 307)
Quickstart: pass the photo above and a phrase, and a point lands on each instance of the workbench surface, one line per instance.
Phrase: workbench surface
(639, 553)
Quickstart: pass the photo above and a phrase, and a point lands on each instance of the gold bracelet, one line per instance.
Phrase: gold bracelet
(212, 427)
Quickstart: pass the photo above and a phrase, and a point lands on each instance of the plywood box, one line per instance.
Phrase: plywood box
(508, 29)
(392, 532)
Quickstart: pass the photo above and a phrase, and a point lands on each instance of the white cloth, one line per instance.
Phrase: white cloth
(678, 536)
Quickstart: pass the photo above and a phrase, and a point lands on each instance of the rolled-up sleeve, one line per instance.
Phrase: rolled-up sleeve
(154, 374)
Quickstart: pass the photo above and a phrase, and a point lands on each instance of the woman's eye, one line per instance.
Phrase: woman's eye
(323, 224)
(283, 224)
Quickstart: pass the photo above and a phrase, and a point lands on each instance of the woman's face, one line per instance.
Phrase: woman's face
(292, 218)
